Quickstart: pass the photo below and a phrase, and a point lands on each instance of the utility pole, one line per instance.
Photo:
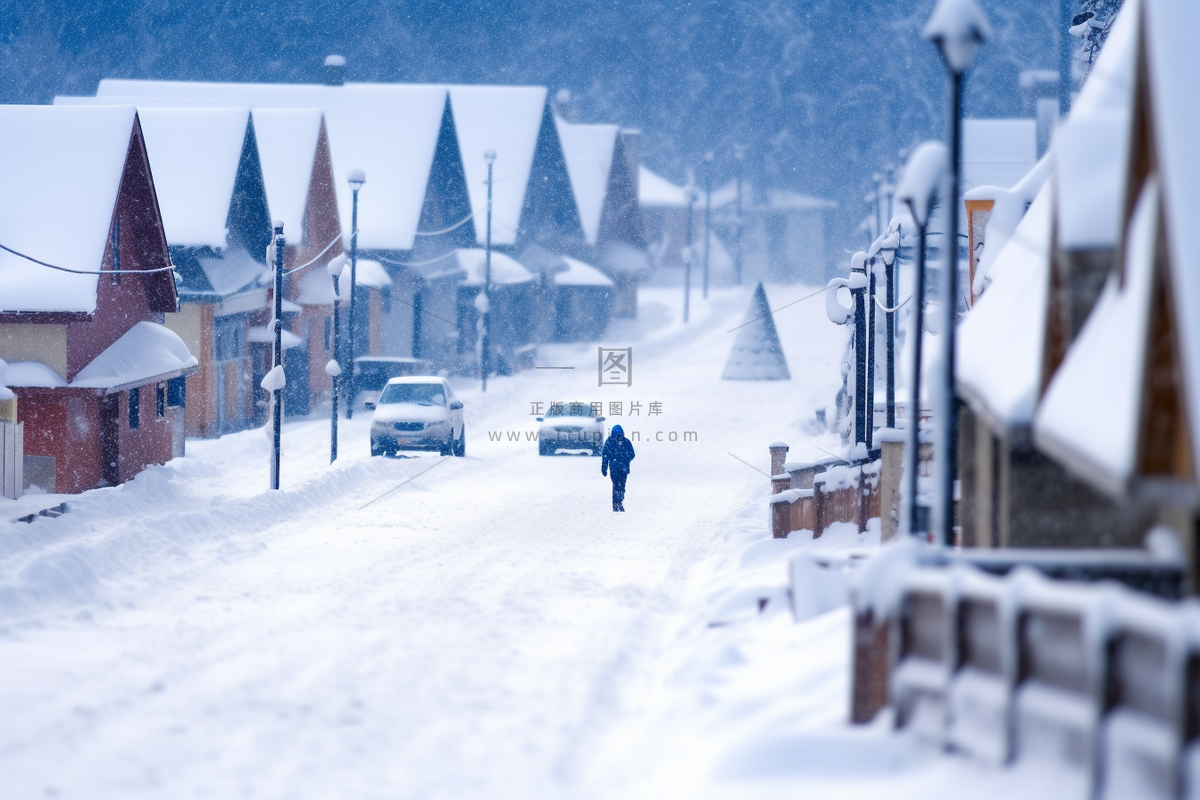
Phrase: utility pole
(485, 357)
(708, 160)
(334, 368)
(277, 367)
(356, 180)
(687, 252)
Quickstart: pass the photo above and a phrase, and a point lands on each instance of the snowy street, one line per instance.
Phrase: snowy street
(483, 630)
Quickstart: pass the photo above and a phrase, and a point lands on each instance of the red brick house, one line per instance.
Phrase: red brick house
(98, 377)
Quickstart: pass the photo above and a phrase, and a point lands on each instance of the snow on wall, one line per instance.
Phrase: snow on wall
(143, 352)
(61, 170)
(1089, 415)
(588, 151)
(505, 120)
(34, 374)
(389, 131)
(194, 156)
(999, 359)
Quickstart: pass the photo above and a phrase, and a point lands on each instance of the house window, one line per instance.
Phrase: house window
(160, 400)
(177, 392)
(133, 410)
(229, 338)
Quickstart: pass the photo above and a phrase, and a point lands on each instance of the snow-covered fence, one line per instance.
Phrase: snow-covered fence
(1094, 686)
(815, 495)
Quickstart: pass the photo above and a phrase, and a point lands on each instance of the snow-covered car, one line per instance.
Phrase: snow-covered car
(418, 414)
(371, 374)
(570, 426)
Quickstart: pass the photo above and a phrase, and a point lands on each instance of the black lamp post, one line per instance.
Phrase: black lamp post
(858, 265)
(918, 190)
(334, 368)
(277, 379)
(869, 355)
(687, 251)
(485, 355)
(888, 253)
(957, 27)
(356, 180)
(708, 160)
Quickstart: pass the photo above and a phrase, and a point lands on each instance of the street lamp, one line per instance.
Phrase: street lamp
(690, 191)
(918, 190)
(356, 179)
(708, 159)
(887, 252)
(275, 380)
(334, 368)
(858, 265)
(958, 28)
(485, 356)
(739, 155)
(869, 347)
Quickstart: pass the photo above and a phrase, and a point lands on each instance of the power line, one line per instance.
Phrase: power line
(316, 258)
(169, 267)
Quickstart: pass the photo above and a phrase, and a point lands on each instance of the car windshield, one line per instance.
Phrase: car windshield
(570, 410)
(423, 394)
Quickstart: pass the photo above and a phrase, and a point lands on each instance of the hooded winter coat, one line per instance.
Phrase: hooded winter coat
(617, 452)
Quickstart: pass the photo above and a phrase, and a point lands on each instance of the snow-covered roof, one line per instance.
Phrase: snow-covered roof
(144, 352)
(580, 274)
(588, 151)
(999, 354)
(61, 170)
(287, 146)
(389, 131)
(315, 288)
(194, 157)
(236, 271)
(1176, 120)
(34, 374)
(997, 152)
(655, 191)
(505, 269)
(366, 273)
(504, 120)
(1090, 414)
(785, 199)
(265, 334)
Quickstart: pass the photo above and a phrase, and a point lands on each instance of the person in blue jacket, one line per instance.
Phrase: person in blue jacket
(617, 454)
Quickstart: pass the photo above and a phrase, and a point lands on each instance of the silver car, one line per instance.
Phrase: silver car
(570, 426)
(418, 414)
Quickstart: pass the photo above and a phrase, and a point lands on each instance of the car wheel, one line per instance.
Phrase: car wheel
(376, 450)
(543, 449)
(460, 449)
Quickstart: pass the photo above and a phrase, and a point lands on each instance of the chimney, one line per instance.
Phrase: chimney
(335, 70)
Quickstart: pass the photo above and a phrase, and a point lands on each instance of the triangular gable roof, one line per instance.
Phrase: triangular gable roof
(61, 170)
(287, 146)
(389, 131)
(195, 155)
(1169, 53)
(505, 120)
(588, 151)
(1089, 416)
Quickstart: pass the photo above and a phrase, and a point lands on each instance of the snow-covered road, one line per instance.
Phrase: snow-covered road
(481, 631)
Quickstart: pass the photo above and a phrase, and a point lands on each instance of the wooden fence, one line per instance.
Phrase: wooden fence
(1094, 683)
